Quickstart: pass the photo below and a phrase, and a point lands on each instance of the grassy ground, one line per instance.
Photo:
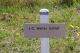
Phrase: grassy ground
(12, 20)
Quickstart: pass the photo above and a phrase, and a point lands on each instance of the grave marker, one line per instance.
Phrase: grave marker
(44, 30)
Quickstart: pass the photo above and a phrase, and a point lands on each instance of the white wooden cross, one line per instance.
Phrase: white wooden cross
(44, 30)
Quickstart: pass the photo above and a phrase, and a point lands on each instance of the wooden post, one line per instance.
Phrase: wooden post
(44, 41)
